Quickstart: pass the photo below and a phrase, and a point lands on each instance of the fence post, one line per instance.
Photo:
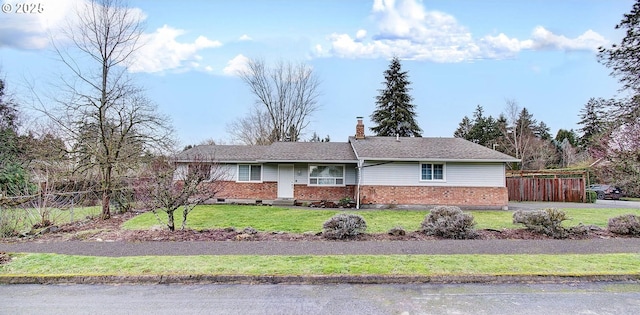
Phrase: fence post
(73, 197)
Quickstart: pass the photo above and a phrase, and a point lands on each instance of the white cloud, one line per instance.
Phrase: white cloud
(245, 37)
(35, 30)
(545, 39)
(161, 51)
(407, 30)
(236, 65)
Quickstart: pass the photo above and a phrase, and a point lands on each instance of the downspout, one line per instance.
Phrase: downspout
(358, 184)
(359, 177)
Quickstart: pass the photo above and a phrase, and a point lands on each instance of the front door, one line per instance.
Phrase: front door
(285, 181)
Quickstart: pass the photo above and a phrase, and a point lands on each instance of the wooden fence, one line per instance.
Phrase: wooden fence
(556, 186)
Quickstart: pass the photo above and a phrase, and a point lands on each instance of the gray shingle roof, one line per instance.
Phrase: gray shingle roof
(421, 149)
(276, 152)
(370, 148)
(309, 152)
(223, 153)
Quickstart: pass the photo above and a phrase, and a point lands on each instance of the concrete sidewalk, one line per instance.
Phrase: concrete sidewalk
(436, 247)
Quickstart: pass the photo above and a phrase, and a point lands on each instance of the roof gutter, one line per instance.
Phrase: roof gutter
(442, 160)
(308, 161)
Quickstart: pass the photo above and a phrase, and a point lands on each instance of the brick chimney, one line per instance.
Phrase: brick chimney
(359, 129)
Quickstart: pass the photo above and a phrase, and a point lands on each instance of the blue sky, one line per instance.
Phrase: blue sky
(459, 54)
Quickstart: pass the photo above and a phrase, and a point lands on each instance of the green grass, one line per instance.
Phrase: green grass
(427, 265)
(269, 219)
(24, 219)
(630, 199)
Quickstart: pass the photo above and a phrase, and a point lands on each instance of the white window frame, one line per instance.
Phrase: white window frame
(444, 172)
(250, 167)
(344, 175)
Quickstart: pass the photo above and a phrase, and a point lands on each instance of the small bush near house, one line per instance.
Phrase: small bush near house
(627, 224)
(344, 225)
(449, 222)
(547, 221)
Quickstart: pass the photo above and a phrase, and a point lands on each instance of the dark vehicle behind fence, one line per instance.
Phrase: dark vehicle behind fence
(606, 191)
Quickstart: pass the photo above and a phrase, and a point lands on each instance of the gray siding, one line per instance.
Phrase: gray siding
(456, 174)
(269, 172)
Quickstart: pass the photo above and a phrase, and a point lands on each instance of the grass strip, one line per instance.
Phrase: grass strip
(268, 219)
(32, 264)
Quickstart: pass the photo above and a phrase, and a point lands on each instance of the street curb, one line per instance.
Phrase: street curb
(315, 280)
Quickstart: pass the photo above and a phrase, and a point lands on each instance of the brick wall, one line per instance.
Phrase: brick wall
(316, 193)
(490, 197)
(416, 195)
(235, 190)
(269, 191)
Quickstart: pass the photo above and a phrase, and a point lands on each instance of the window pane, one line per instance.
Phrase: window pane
(438, 171)
(335, 171)
(329, 175)
(427, 172)
(315, 171)
(326, 181)
(243, 173)
(255, 172)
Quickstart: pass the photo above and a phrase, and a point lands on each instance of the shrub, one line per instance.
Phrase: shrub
(9, 221)
(345, 202)
(627, 224)
(397, 231)
(581, 229)
(344, 225)
(547, 221)
(449, 222)
(592, 196)
(249, 230)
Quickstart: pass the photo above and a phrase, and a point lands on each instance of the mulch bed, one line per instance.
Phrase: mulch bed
(102, 230)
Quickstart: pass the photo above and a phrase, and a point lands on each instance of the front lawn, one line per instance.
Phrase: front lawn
(296, 220)
(422, 265)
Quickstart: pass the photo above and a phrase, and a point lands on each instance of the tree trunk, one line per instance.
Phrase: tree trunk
(185, 213)
(170, 221)
(106, 198)
(106, 193)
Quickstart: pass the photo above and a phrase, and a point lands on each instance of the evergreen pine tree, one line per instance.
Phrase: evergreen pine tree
(394, 114)
(593, 119)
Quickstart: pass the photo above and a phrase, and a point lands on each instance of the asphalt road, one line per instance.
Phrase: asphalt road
(575, 298)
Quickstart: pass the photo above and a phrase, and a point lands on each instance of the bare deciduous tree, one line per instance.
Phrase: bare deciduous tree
(167, 187)
(288, 93)
(108, 120)
(524, 138)
(256, 128)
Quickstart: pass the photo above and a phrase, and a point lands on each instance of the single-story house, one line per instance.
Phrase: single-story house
(372, 170)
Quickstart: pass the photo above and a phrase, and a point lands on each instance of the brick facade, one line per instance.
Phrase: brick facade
(235, 190)
(316, 193)
(484, 197)
(269, 191)
(493, 197)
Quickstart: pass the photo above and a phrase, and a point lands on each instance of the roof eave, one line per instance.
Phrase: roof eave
(441, 160)
(217, 161)
(307, 161)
